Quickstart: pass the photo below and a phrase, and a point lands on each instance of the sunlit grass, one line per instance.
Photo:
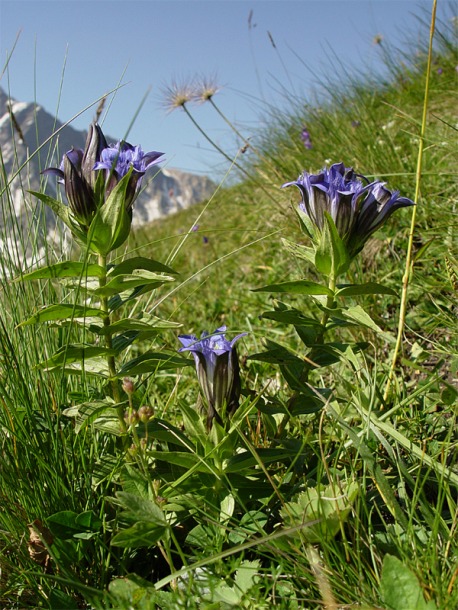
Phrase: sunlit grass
(228, 542)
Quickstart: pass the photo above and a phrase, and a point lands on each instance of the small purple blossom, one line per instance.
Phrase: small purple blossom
(118, 159)
(357, 207)
(217, 371)
(306, 139)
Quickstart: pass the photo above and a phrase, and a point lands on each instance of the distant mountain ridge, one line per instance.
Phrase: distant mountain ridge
(25, 127)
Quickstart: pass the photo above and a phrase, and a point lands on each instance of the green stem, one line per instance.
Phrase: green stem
(319, 340)
(109, 343)
(226, 156)
(241, 136)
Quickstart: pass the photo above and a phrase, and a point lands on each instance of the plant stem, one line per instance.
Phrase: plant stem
(319, 340)
(108, 340)
(409, 256)
(225, 155)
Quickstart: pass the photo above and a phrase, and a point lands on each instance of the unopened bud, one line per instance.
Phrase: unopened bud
(145, 414)
(128, 385)
(131, 416)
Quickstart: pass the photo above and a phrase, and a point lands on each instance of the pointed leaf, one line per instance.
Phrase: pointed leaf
(299, 251)
(400, 587)
(141, 534)
(152, 361)
(359, 316)
(146, 324)
(139, 277)
(297, 287)
(64, 269)
(74, 353)
(340, 256)
(62, 312)
(348, 290)
(56, 206)
(111, 225)
(139, 262)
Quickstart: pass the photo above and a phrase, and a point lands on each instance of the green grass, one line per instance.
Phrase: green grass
(242, 533)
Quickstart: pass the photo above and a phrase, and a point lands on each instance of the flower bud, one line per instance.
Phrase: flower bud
(145, 413)
(131, 417)
(128, 385)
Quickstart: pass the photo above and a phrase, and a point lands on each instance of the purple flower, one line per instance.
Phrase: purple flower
(217, 371)
(118, 159)
(306, 139)
(79, 171)
(357, 207)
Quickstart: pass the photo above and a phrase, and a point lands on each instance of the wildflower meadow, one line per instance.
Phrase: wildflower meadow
(251, 403)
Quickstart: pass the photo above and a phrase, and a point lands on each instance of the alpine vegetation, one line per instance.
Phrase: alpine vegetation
(264, 467)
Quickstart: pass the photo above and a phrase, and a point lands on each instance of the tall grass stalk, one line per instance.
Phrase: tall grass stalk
(418, 178)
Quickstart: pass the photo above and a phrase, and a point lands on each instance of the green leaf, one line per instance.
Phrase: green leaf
(60, 209)
(148, 519)
(307, 225)
(139, 508)
(145, 324)
(291, 316)
(63, 212)
(89, 520)
(359, 316)
(348, 290)
(299, 251)
(139, 277)
(184, 459)
(68, 524)
(75, 353)
(339, 252)
(141, 534)
(297, 287)
(64, 269)
(400, 587)
(247, 575)
(62, 312)
(331, 505)
(246, 459)
(88, 412)
(152, 361)
(139, 262)
(110, 227)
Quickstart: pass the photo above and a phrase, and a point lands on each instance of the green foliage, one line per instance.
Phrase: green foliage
(319, 490)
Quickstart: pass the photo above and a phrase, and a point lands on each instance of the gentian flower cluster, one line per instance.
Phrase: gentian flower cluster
(217, 369)
(357, 206)
(80, 169)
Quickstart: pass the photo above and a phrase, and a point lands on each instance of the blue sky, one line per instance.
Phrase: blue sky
(72, 52)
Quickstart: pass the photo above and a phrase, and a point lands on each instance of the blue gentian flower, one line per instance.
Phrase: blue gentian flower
(79, 171)
(357, 207)
(118, 159)
(217, 371)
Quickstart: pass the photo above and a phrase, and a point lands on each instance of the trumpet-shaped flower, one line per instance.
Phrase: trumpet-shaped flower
(80, 169)
(357, 207)
(217, 371)
(118, 159)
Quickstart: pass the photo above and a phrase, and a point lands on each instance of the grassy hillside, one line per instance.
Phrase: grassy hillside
(331, 486)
